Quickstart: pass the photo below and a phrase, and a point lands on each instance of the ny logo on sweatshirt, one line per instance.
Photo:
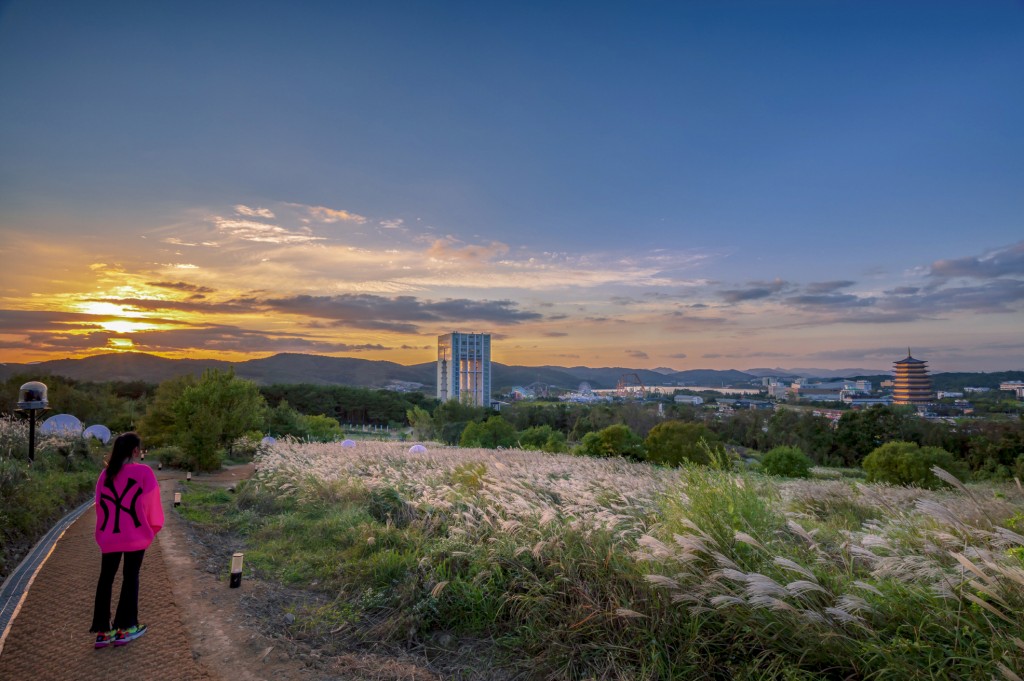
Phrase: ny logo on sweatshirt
(118, 503)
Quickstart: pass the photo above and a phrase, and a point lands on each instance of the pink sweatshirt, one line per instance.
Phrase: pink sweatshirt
(127, 519)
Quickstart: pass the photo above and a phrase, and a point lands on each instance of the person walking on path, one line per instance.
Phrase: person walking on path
(128, 517)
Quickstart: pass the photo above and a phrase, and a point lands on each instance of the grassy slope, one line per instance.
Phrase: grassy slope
(580, 568)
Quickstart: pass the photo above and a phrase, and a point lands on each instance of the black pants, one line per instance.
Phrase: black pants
(128, 604)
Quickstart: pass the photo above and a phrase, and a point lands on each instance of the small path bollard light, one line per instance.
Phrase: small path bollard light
(236, 570)
(188, 476)
(32, 398)
(177, 498)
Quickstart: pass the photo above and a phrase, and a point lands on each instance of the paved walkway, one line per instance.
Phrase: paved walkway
(49, 640)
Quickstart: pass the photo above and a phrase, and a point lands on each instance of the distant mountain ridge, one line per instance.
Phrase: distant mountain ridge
(291, 368)
(817, 373)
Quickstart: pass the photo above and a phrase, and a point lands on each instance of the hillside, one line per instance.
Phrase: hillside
(290, 368)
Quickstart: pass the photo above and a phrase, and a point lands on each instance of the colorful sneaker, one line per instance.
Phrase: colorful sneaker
(104, 638)
(125, 636)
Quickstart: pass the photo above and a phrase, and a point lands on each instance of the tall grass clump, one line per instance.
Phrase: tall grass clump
(572, 567)
(34, 496)
(929, 589)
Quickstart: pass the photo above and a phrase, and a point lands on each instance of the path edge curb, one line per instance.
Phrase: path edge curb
(19, 581)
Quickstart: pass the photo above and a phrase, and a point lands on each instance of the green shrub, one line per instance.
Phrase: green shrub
(171, 456)
(492, 433)
(787, 462)
(254, 496)
(907, 463)
(545, 438)
(615, 440)
(673, 442)
(33, 498)
(387, 505)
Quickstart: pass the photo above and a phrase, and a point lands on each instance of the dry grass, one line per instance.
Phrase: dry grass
(721, 571)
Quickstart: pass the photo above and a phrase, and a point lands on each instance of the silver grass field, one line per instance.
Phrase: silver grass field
(566, 567)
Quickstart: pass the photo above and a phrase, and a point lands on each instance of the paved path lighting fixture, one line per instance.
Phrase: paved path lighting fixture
(236, 570)
(32, 398)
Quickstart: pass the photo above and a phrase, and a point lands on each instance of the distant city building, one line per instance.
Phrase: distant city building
(1011, 385)
(912, 384)
(860, 402)
(694, 400)
(943, 394)
(970, 389)
(464, 368)
(777, 390)
(753, 404)
(828, 391)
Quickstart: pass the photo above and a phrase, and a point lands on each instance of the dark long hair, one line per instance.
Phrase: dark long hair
(121, 453)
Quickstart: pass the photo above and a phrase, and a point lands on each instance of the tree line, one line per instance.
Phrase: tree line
(988, 448)
(195, 421)
(203, 417)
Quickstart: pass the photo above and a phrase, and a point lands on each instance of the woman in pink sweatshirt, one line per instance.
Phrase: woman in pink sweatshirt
(128, 516)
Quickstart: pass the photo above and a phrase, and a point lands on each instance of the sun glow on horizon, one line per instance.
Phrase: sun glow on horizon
(122, 326)
(103, 309)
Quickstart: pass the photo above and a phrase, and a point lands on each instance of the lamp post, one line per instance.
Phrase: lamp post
(32, 398)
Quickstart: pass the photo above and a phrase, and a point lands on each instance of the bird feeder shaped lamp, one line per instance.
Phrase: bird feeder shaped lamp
(32, 398)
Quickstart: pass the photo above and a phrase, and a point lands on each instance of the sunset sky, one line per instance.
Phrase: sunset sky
(644, 184)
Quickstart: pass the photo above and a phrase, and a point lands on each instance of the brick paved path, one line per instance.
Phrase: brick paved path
(50, 639)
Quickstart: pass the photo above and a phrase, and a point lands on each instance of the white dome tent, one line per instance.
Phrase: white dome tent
(61, 424)
(98, 431)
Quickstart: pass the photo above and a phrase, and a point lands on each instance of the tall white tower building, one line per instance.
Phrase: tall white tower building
(464, 368)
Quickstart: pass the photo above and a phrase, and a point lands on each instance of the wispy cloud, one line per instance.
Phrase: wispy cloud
(450, 248)
(400, 313)
(79, 332)
(822, 287)
(180, 286)
(755, 291)
(331, 215)
(832, 301)
(1001, 262)
(254, 212)
(191, 305)
(250, 230)
(223, 338)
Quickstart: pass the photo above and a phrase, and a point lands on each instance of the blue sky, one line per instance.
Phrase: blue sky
(684, 184)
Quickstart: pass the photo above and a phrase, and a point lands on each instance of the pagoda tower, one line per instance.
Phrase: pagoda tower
(912, 384)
